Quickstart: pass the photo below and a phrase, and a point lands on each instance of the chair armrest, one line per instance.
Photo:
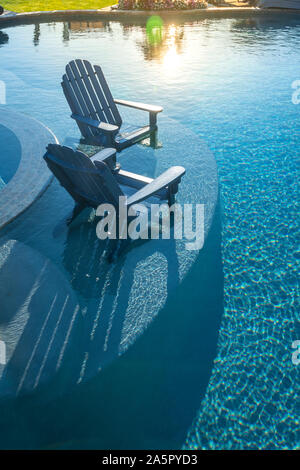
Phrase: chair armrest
(107, 156)
(142, 106)
(132, 179)
(103, 126)
(167, 179)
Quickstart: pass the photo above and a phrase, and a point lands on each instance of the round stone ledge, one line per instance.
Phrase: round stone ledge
(32, 176)
(110, 13)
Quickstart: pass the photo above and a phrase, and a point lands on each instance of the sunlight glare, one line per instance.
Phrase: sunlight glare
(171, 58)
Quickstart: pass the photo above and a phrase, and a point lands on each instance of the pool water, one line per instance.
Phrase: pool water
(10, 155)
(215, 368)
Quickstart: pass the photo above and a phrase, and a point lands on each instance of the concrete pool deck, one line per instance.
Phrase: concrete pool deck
(32, 176)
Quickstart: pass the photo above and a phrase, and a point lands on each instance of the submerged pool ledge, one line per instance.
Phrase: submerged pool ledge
(113, 14)
(32, 176)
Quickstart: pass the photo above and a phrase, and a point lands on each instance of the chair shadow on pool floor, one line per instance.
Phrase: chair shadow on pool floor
(149, 397)
(116, 298)
(146, 398)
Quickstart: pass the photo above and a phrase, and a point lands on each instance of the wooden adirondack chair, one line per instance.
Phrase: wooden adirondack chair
(95, 110)
(97, 180)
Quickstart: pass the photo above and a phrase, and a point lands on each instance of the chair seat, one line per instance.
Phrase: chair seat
(129, 134)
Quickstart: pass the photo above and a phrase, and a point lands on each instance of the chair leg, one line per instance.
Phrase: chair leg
(76, 211)
(153, 139)
(110, 140)
(171, 198)
(172, 190)
(153, 120)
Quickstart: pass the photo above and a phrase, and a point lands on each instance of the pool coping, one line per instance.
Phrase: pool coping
(114, 14)
(32, 176)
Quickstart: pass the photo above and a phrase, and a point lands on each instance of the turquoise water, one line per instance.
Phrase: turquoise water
(205, 360)
(10, 155)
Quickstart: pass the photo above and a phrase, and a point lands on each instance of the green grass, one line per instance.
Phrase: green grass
(39, 5)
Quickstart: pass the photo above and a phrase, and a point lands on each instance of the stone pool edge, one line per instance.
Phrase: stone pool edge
(32, 177)
(113, 14)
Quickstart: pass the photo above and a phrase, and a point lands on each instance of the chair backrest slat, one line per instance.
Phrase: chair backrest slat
(103, 91)
(88, 95)
(75, 106)
(99, 109)
(85, 182)
(89, 108)
(77, 101)
(78, 170)
(76, 87)
(81, 96)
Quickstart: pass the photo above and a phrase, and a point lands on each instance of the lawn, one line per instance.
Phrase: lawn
(40, 5)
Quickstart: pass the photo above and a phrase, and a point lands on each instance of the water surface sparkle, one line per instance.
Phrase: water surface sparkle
(229, 80)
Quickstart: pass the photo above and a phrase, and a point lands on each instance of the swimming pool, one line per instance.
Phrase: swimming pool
(229, 82)
(12, 155)
(23, 176)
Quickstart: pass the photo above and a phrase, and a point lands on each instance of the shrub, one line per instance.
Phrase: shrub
(161, 4)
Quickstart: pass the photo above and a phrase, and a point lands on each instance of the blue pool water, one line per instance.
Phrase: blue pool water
(10, 155)
(204, 361)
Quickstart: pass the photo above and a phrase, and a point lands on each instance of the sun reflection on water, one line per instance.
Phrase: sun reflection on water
(163, 43)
